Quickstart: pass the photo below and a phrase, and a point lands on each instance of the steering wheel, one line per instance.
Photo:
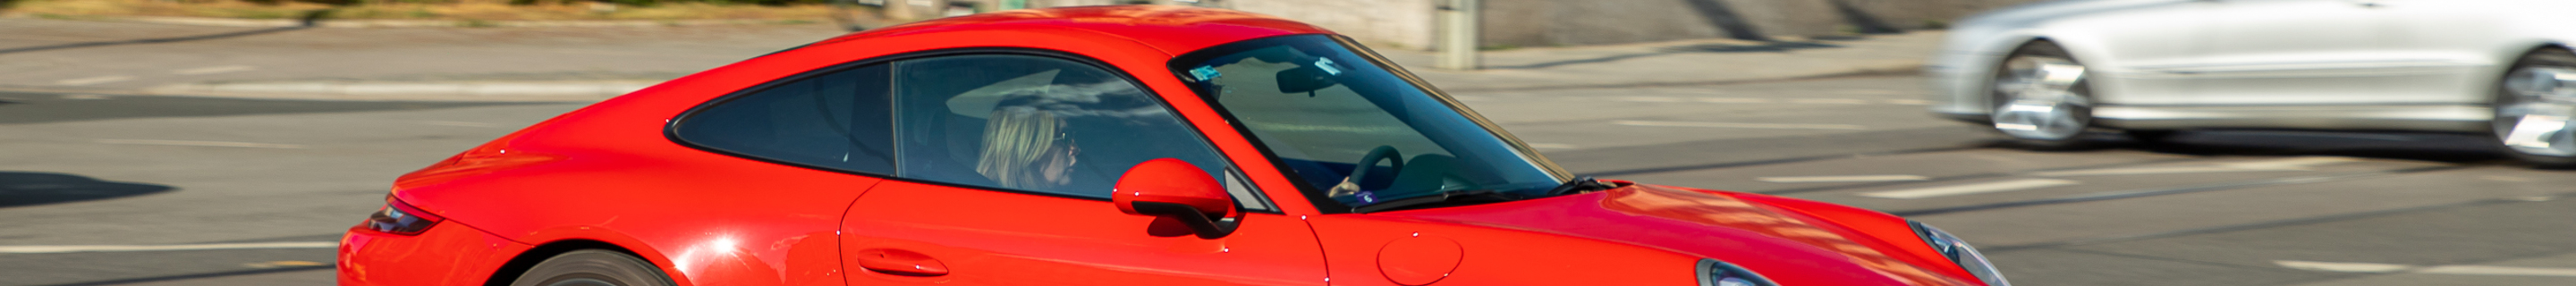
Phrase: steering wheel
(1351, 185)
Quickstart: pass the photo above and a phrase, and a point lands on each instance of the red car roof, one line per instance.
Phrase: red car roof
(1172, 29)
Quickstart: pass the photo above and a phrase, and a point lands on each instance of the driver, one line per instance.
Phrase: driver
(1027, 148)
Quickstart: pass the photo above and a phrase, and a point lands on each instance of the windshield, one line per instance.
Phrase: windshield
(1353, 132)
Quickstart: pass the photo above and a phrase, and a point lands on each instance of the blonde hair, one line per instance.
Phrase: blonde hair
(1014, 140)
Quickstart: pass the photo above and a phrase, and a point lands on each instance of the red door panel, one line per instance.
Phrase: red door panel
(984, 237)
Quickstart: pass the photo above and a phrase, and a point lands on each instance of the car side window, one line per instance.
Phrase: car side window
(834, 120)
(1036, 124)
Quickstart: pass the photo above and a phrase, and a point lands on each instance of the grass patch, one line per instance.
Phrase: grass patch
(460, 10)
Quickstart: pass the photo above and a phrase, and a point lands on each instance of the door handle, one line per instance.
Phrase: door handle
(900, 262)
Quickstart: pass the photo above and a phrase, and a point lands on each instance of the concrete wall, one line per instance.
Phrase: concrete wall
(1409, 24)
(1575, 22)
(1392, 24)
(1388, 24)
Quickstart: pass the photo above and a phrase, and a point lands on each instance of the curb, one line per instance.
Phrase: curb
(1861, 71)
(519, 91)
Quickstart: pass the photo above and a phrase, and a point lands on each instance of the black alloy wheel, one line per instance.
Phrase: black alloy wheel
(593, 267)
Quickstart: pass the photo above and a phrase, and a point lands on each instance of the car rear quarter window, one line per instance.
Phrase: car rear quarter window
(836, 120)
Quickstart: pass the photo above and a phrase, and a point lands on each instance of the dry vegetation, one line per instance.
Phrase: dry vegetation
(482, 10)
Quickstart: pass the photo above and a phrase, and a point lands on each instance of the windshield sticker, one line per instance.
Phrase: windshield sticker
(1327, 65)
(1205, 73)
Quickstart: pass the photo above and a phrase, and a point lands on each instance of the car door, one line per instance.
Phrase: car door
(2122, 47)
(1006, 161)
(2464, 45)
(2287, 52)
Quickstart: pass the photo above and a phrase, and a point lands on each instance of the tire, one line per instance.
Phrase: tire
(2533, 109)
(592, 267)
(2041, 98)
(2149, 137)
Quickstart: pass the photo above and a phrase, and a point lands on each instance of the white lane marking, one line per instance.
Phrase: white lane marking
(2145, 171)
(1731, 100)
(2356, 267)
(197, 143)
(84, 96)
(2506, 178)
(1651, 99)
(283, 263)
(1552, 146)
(460, 124)
(94, 80)
(174, 247)
(1828, 101)
(1868, 91)
(1738, 125)
(1843, 179)
(2291, 164)
(2499, 270)
(1977, 188)
(215, 70)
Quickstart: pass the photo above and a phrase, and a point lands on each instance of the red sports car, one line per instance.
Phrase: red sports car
(1120, 145)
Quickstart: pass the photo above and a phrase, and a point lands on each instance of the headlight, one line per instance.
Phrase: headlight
(1959, 252)
(1720, 273)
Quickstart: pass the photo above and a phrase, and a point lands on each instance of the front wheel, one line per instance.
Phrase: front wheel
(592, 267)
(2040, 97)
(2534, 103)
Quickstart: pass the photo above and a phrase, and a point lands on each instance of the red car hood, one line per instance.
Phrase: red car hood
(1788, 246)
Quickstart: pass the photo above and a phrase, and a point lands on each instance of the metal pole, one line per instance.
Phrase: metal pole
(1458, 35)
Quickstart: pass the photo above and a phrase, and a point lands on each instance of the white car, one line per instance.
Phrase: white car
(2052, 74)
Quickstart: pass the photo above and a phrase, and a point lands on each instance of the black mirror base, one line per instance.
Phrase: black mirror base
(1207, 228)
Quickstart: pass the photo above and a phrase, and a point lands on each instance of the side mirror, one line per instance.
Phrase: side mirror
(1172, 188)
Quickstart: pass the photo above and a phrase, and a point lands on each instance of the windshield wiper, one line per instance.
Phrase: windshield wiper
(1579, 185)
(1442, 198)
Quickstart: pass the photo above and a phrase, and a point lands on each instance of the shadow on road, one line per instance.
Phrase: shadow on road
(1861, 21)
(31, 188)
(2437, 147)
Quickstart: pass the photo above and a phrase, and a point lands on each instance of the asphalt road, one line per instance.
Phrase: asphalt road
(87, 169)
(2213, 208)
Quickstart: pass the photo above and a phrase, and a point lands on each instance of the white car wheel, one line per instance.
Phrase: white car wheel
(2534, 104)
(2040, 97)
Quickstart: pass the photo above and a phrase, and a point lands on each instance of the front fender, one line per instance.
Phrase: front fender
(1885, 228)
